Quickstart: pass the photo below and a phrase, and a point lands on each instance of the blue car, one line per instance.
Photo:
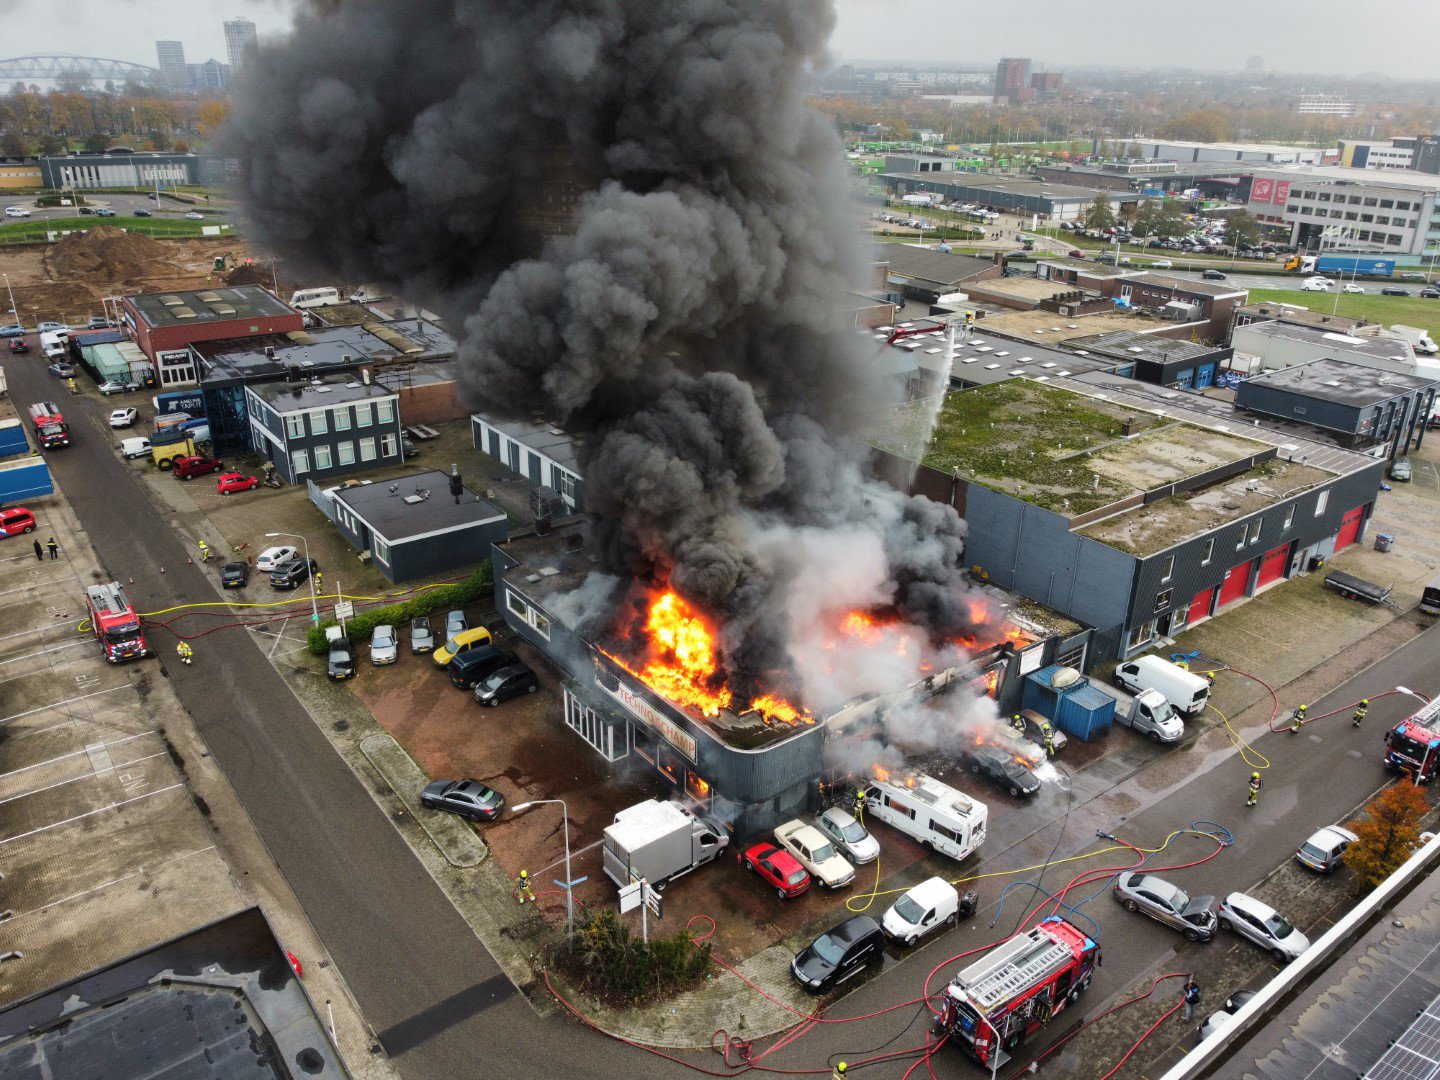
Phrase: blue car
(12, 330)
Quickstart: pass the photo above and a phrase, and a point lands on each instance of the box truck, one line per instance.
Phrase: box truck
(1420, 340)
(659, 841)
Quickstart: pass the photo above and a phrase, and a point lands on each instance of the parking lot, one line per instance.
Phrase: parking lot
(99, 829)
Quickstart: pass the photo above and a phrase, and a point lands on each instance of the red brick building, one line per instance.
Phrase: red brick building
(164, 325)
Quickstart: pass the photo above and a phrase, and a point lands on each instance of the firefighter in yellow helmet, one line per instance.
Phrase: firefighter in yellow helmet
(1360, 711)
(1254, 789)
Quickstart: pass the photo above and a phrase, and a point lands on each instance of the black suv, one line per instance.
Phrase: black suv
(478, 664)
(340, 659)
(292, 573)
(838, 954)
(505, 683)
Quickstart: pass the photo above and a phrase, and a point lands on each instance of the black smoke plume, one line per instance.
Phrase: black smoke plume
(682, 318)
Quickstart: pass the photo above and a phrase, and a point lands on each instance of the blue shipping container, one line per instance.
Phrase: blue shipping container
(24, 478)
(12, 438)
(1354, 264)
(1080, 709)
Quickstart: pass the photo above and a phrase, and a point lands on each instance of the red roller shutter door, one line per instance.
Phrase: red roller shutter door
(1200, 606)
(1349, 528)
(1272, 566)
(1233, 587)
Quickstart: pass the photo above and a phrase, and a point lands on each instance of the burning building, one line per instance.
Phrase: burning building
(653, 693)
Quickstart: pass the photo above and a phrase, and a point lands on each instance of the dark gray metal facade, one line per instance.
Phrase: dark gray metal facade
(1395, 420)
(358, 439)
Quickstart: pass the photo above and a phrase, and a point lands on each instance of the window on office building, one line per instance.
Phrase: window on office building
(367, 449)
(295, 426)
(1289, 516)
(1167, 568)
(346, 450)
(342, 418)
(319, 422)
(387, 446)
(364, 414)
(322, 458)
(385, 410)
(1207, 551)
(1321, 503)
(299, 462)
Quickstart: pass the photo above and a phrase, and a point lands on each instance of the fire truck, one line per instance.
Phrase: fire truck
(1412, 746)
(116, 626)
(50, 426)
(1016, 988)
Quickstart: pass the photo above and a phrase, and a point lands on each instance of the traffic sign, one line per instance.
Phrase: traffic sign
(344, 609)
(630, 897)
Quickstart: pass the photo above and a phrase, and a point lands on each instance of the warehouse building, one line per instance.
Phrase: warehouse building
(127, 169)
(750, 772)
(1011, 194)
(165, 325)
(1361, 406)
(1136, 520)
(545, 454)
(930, 275)
(1185, 365)
(1272, 345)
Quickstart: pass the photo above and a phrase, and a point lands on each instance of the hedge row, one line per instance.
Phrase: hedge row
(477, 586)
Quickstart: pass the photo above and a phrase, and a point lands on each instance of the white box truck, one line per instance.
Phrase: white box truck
(1420, 340)
(940, 817)
(658, 842)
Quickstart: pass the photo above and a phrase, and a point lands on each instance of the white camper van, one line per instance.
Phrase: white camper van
(308, 298)
(937, 815)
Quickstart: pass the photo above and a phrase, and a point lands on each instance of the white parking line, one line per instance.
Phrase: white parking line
(73, 753)
(42, 652)
(83, 776)
(114, 881)
(34, 585)
(66, 701)
(89, 813)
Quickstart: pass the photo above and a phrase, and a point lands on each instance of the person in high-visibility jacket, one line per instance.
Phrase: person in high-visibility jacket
(187, 654)
(857, 805)
(522, 888)
(1049, 741)
(1360, 711)
(1297, 720)
(1254, 789)
(1017, 723)
(838, 1073)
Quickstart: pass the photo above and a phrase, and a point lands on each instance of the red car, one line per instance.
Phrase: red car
(234, 481)
(187, 468)
(777, 867)
(1077, 254)
(16, 520)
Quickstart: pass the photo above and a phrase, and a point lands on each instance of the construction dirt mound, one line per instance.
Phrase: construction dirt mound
(107, 254)
(249, 274)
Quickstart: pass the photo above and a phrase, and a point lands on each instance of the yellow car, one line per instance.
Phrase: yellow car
(456, 644)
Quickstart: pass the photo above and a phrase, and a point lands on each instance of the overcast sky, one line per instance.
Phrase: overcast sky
(1320, 36)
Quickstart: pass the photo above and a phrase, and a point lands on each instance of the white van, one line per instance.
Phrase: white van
(309, 298)
(1187, 692)
(932, 903)
(54, 346)
(16, 211)
(937, 815)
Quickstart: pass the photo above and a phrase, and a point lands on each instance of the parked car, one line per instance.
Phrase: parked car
(195, 215)
(504, 684)
(10, 330)
(272, 557)
(384, 645)
(1263, 925)
(455, 622)
(232, 482)
(1212, 275)
(293, 573)
(816, 854)
(1351, 287)
(234, 575)
(124, 417)
(460, 642)
(110, 386)
(54, 328)
(99, 322)
(143, 213)
(19, 346)
(187, 467)
(1168, 904)
(16, 520)
(477, 665)
(931, 904)
(849, 836)
(776, 867)
(103, 212)
(470, 799)
(1162, 264)
(838, 954)
(1216, 1020)
(1394, 290)
(88, 211)
(130, 449)
(1400, 470)
(422, 638)
(1430, 292)
(61, 369)
(1325, 848)
(1003, 769)
(16, 211)
(340, 657)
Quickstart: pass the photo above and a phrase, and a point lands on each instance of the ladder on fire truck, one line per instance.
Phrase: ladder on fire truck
(1019, 965)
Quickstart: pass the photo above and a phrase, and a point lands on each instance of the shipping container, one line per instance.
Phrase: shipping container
(24, 478)
(1354, 264)
(1075, 706)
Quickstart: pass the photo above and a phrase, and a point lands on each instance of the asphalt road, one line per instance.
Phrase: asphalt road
(121, 204)
(424, 981)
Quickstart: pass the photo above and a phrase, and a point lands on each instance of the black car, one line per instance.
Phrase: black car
(1430, 292)
(1001, 769)
(1212, 275)
(479, 664)
(510, 681)
(470, 799)
(20, 345)
(1391, 290)
(234, 575)
(292, 573)
(143, 213)
(839, 953)
(340, 658)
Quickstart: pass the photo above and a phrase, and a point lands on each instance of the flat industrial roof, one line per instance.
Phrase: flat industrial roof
(920, 262)
(318, 393)
(1270, 311)
(1086, 266)
(416, 504)
(1047, 327)
(541, 436)
(1024, 288)
(1010, 185)
(227, 303)
(1399, 179)
(1388, 347)
(1191, 285)
(1128, 345)
(1338, 381)
(324, 347)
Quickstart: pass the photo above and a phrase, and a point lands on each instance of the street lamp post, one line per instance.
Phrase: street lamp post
(569, 880)
(14, 312)
(310, 575)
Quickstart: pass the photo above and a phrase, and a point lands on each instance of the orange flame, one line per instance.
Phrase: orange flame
(772, 708)
(880, 773)
(992, 681)
(860, 624)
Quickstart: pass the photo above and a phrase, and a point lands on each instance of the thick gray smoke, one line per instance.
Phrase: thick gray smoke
(683, 320)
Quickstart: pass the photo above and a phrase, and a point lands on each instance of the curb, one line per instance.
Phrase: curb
(390, 760)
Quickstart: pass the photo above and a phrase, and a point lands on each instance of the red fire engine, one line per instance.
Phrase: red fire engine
(1017, 987)
(50, 426)
(1413, 745)
(115, 623)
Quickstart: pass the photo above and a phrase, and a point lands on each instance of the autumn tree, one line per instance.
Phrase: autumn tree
(1201, 125)
(1242, 228)
(1387, 835)
(1099, 214)
(210, 116)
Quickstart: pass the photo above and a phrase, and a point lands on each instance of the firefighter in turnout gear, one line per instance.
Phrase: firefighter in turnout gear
(857, 804)
(839, 1072)
(187, 654)
(1049, 741)
(1017, 723)
(1297, 720)
(1360, 711)
(522, 888)
(1254, 789)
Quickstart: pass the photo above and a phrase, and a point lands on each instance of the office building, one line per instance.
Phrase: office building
(170, 59)
(241, 44)
(1324, 105)
(1012, 75)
